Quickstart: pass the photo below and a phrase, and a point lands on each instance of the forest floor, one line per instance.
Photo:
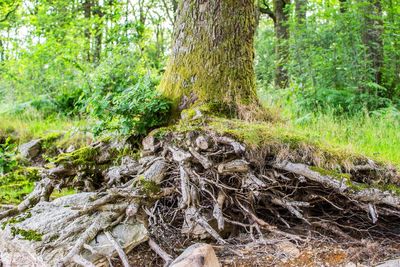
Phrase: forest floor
(284, 140)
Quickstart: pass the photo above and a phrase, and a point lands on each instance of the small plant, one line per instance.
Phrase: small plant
(8, 160)
(135, 110)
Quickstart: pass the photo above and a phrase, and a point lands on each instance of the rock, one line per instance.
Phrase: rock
(115, 174)
(156, 172)
(179, 155)
(197, 255)
(288, 249)
(150, 144)
(390, 263)
(25, 241)
(31, 149)
(202, 142)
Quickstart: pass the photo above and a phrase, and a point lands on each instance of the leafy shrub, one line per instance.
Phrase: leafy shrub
(7, 156)
(345, 101)
(69, 102)
(134, 110)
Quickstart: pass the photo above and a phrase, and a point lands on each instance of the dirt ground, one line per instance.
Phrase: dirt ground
(286, 254)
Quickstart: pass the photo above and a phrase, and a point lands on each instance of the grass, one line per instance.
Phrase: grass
(376, 135)
(24, 128)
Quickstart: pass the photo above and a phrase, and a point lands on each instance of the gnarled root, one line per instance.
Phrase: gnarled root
(202, 185)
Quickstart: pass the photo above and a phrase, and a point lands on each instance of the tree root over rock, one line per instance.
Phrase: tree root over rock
(195, 184)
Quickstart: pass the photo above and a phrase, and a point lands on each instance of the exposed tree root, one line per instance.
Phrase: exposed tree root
(203, 185)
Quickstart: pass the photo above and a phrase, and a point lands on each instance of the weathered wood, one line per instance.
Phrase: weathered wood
(234, 166)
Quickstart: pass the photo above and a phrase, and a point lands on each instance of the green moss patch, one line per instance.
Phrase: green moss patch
(16, 185)
(83, 156)
(26, 234)
(62, 193)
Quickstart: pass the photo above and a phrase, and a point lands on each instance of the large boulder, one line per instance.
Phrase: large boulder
(40, 237)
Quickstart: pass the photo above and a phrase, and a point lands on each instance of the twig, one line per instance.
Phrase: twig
(160, 252)
(118, 248)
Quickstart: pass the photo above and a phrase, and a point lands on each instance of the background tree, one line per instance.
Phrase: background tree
(280, 16)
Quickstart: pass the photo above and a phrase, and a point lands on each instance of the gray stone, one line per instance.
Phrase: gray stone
(390, 263)
(31, 149)
(197, 255)
(51, 220)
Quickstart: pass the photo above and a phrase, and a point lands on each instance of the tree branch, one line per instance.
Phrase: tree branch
(9, 13)
(267, 10)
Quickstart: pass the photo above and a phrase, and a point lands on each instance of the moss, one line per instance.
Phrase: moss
(226, 74)
(48, 142)
(26, 234)
(16, 185)
(83, 156)
(149, 188)
(331, 173)
(16, 219)
(395, 189)
(76, 139)
(64, 192)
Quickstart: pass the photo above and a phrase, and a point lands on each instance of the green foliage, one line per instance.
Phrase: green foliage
(329, 64)
(135, 110)
(8, 160)
(14, 186)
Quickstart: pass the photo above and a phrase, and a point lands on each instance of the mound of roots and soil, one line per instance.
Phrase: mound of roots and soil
(192, 185)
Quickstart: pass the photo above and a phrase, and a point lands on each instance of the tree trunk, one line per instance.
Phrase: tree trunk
(87, 12)
(212, 55)
(2, 51)
(301, 11)
(372, 37)
(98, 13)
(281, 48)
(343, 7)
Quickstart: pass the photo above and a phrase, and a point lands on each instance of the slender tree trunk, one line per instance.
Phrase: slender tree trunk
(212, 55)
(343, 7)
(98, 13)
(301, 11)
(372, 37)
(87, 12)
(174, 8)
(2, 56)
(282, 47)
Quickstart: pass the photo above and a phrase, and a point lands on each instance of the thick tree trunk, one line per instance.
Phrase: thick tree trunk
(281, 48)
(212, 55)
(372, 37)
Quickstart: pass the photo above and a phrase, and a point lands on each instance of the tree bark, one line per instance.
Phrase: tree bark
(98, 13)
(372, 37)
(87, 12)
(2, 51)
(343, 7)
(212, 55)
(301, 11)
(281, 47)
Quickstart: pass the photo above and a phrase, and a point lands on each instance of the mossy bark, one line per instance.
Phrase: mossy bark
(282, 46)
(212, 55)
